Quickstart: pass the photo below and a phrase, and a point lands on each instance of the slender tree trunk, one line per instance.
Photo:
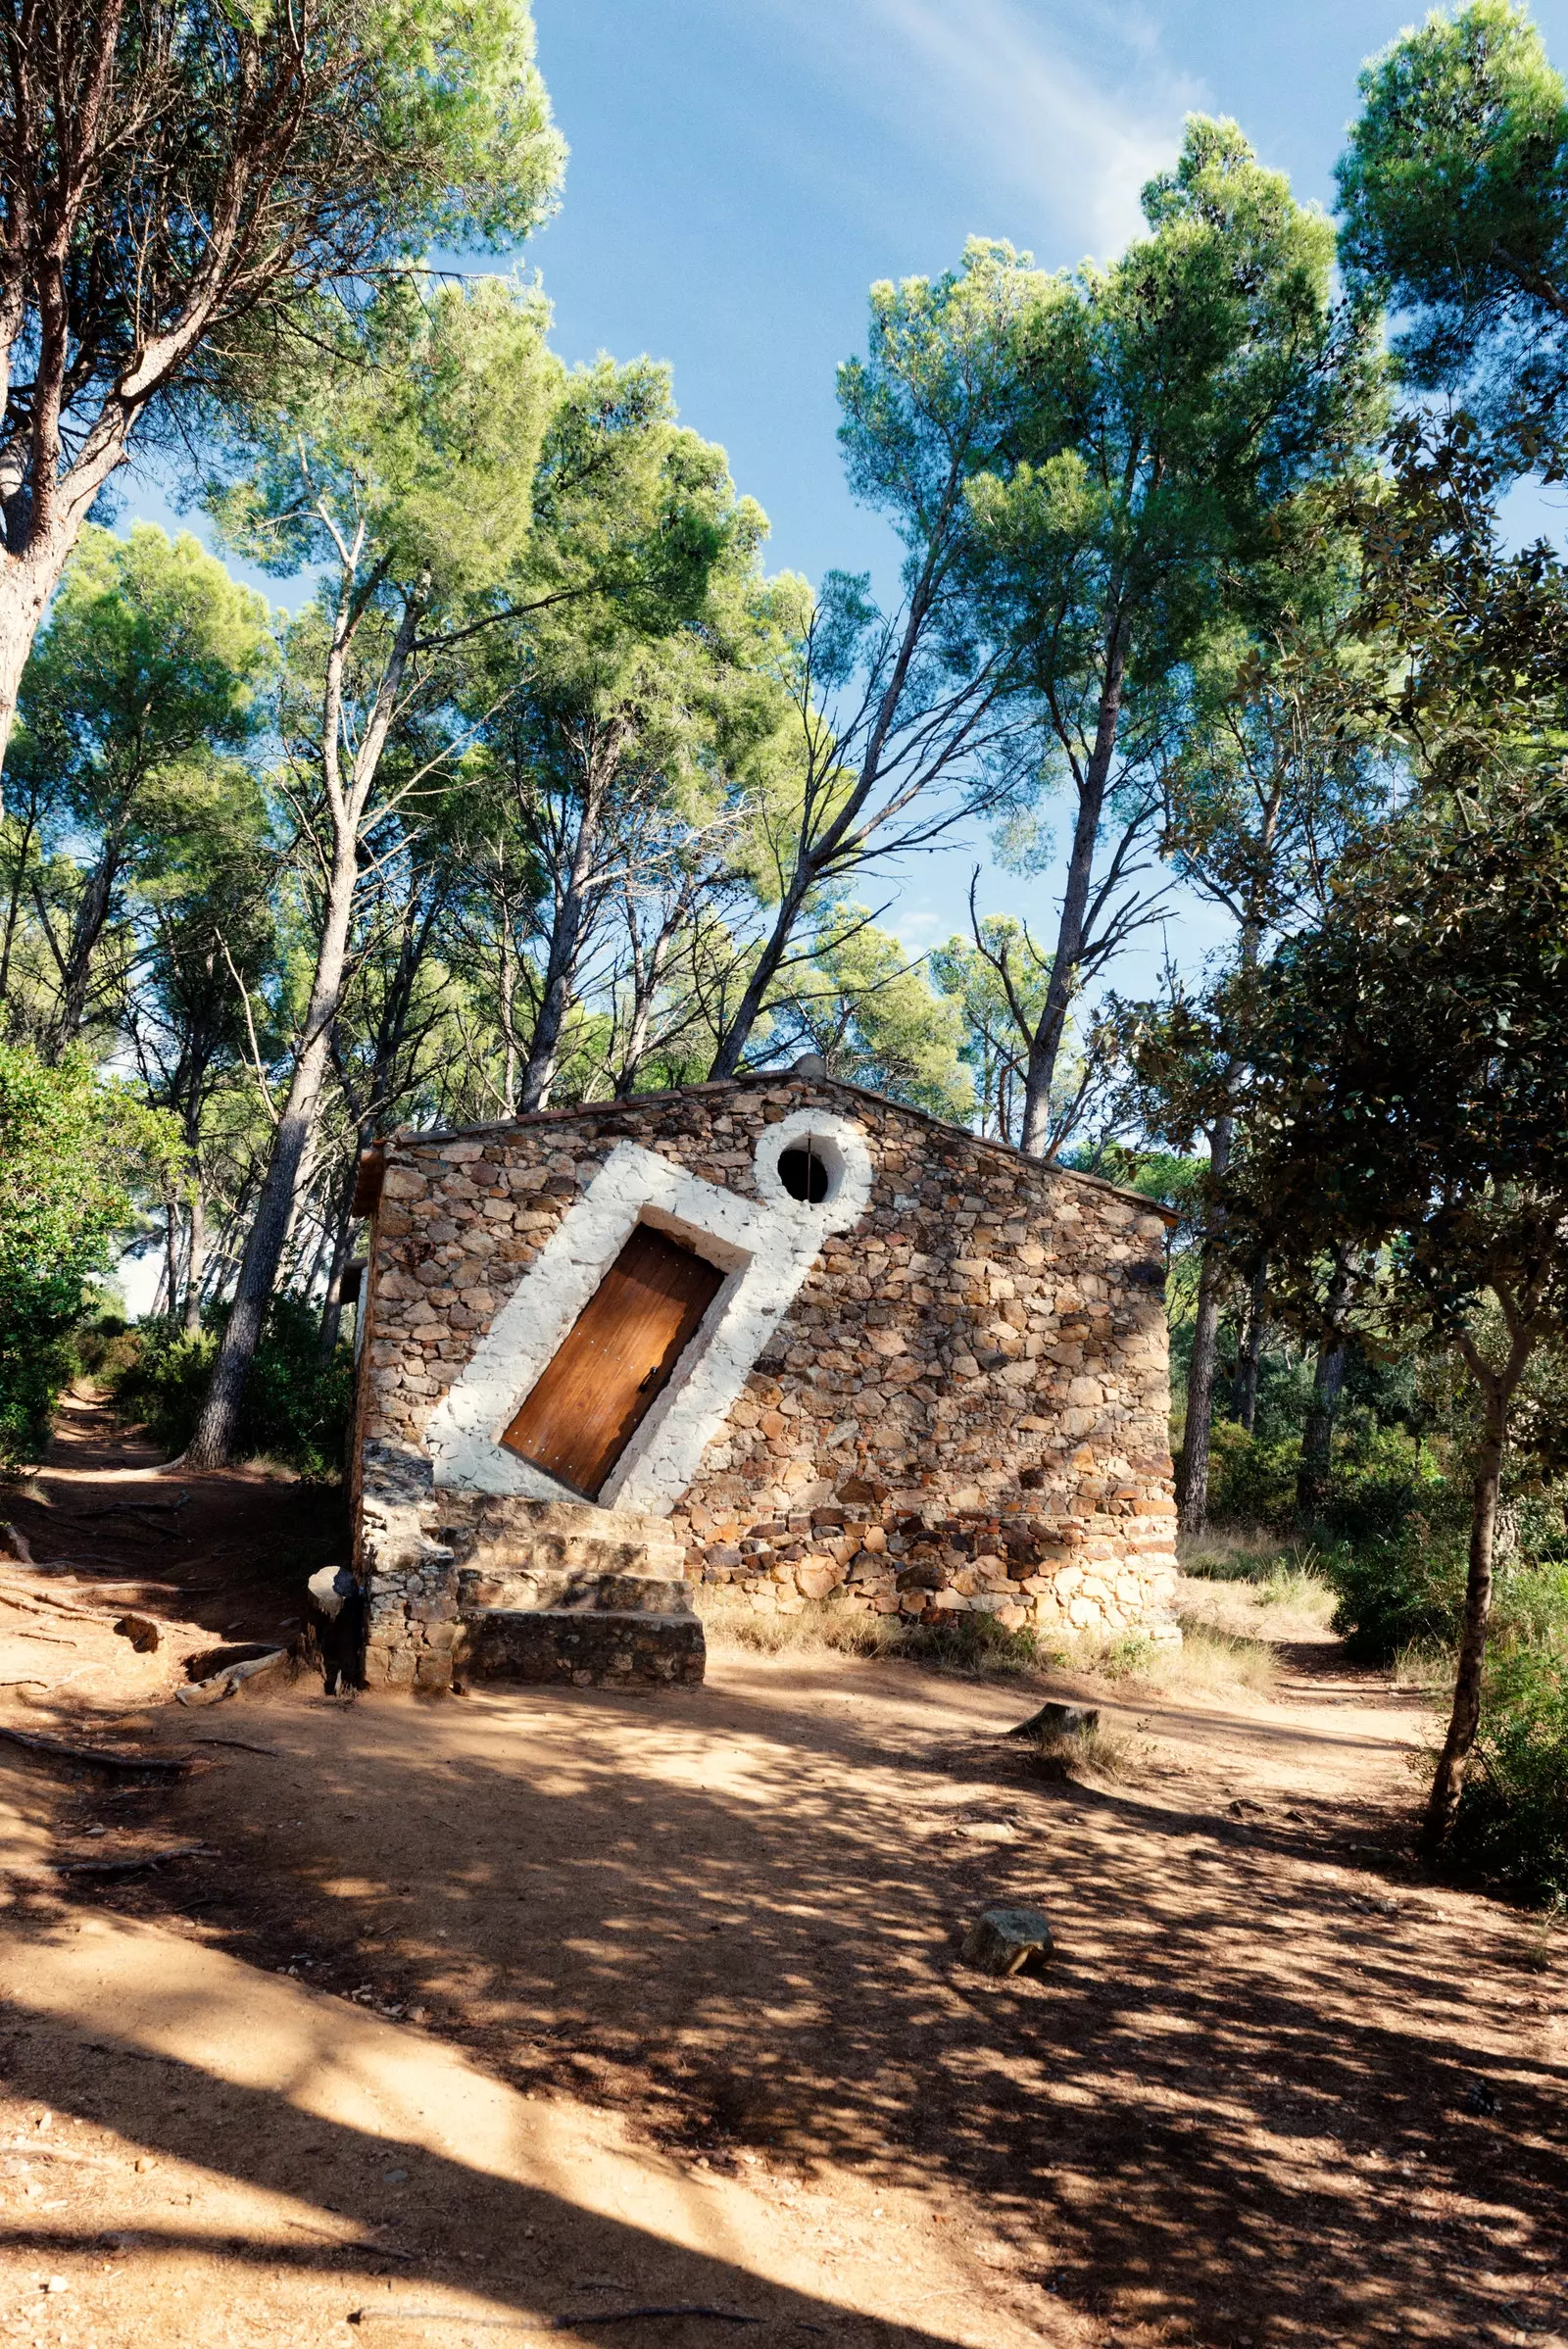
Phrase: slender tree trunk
(212, 1441)
(86, 932)
(170, 1257)
(509, 1015)
(566, 932)
(1044, 1045)
(732, 1044)
(196, 1264)
(1317, 1433)
(14, 907)
(1250, 1360)
(1465, 1719)
(342, 1250)
(1196, 1440)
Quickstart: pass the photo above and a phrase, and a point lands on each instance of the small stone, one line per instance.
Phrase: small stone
(1005, 1941)
(395, 2177)
(58, 2283)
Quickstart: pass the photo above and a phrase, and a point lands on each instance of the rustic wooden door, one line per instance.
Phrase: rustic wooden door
(618, 1357)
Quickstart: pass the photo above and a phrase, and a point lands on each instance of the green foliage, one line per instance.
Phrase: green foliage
(875, 1020)
(1455, 203)
(1512, 1826)
(1404, 1591)
(417, 423)
(72, 1152)
(1178, 397)
(296, 1408)
(1251, 1481)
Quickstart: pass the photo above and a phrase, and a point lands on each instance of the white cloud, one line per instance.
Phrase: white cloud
(1070, 111)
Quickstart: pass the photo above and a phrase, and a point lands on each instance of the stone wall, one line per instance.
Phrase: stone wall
(964, 1407)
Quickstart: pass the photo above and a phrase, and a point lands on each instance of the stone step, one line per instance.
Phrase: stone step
(584, 1648)
(482, 1589)
(554, 1536)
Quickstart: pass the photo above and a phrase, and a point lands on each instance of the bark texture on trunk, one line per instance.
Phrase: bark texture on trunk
(1328, 1383)
(1464, 1720)
(1193, 1514)
(293, 1141)
(213, 1443)
(1317, 1432)
(196, 1265)
(1250, 1360)
(1044, 1045)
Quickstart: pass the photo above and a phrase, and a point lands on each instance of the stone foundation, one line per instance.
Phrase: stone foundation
(960, 1403)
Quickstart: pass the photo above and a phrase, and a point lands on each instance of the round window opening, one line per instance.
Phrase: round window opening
(804, 1172)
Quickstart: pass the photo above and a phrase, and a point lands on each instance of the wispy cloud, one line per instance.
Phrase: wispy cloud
(1060, 111)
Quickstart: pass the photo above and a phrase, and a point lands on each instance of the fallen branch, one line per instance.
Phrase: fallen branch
(168, 1766)
(624, 2316)
(116, 1508)
(130, 1865)
(233, 1676)
(240, 1744)
(37, 2150)
(434, 2316)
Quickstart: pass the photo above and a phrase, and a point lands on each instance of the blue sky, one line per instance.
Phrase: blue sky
(743, 170)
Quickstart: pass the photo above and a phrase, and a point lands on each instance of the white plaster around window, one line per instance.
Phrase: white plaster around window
(765, 1247)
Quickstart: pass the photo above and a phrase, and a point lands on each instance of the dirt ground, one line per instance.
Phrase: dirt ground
(518, 2015)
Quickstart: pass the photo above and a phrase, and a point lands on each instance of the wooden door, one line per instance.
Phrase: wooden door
(618, 1357)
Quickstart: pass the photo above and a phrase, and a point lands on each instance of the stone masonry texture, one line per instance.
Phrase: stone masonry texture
(966, 1407)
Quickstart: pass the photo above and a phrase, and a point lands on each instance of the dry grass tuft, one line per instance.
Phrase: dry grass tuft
(1090, 1753)
(1209, 1661)
(730, 1620)
(1287, 1598)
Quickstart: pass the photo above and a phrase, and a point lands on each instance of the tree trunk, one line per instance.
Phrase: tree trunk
(86, 931)
(568, 929)
(732, 1044)
(170, 1257)
(342, 1250)
(1318, 1435)
(1193, 1513)
(1044, 1045)
(1250, 1360)
(1465, 1718)
(196, 1263)
(214, 1440)
(213, 1443)
(27, 583)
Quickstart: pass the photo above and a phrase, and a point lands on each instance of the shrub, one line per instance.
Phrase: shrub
(1405, 1591)
(296, 1408)
(1251, 1482)
(1387, 1480)
(1512, 1826)
(72, 1150)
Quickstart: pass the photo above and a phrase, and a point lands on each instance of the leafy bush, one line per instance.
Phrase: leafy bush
(72, 1150)
(1407, 1593)
(1387, 1481)
(296, 1408)
(1512, 1825)
(1251, 1481)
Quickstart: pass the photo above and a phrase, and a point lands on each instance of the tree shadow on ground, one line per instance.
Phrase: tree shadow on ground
(1268, 2087)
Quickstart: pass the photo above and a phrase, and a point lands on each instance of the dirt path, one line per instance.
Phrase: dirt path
(475, 2020)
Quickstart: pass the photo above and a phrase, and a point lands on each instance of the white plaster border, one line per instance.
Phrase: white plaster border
(764, 1247)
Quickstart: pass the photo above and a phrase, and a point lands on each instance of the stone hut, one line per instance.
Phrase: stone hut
(777, 1332)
